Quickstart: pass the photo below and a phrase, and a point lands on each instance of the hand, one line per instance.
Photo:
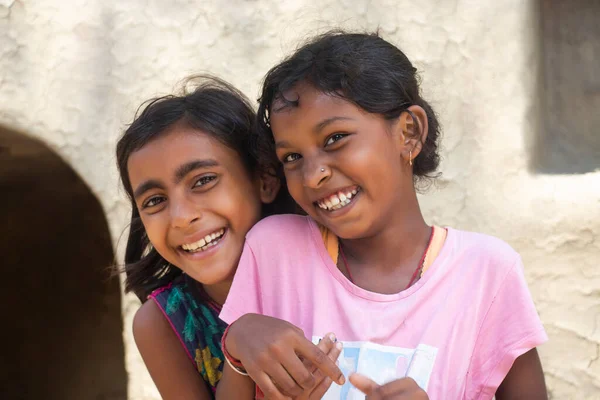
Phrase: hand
(333, 350)
(272, 352)
(400, 389)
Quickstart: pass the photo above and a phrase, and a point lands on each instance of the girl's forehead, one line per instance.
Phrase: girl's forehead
(307, 95)
(305, 103)
(178, 141)
(164, 154)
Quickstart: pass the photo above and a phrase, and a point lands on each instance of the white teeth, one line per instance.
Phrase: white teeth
(337, 201)
(194, 246)
(204, 243)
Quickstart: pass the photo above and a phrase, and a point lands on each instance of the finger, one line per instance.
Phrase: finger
(320, 360)
(321, 389)
(327, 342)
(399, 387)
(325, 345)
(296, 369)
(331, 347)
(364, 384)
(282, 363)
(333, 355)
(335, 351)
(402, 386)
(266, 385)
(283, 381)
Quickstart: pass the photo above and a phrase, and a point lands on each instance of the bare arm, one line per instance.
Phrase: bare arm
(234, 386)
(525, 380)
(169, 366)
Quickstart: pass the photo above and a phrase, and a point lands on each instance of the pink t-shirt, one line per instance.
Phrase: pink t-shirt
(457, 331)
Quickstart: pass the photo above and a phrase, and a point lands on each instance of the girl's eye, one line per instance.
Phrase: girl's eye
(153, 201)
(204, 180)
(291, 157)
(334, 138)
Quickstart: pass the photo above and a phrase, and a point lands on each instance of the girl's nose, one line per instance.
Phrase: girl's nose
(184, 212)
(315, 174)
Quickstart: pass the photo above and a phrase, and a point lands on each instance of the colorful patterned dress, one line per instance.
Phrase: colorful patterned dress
(195, 320)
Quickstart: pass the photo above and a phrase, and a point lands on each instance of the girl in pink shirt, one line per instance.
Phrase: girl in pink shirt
(422, 312)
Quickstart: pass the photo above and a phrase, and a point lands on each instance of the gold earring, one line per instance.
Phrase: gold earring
(410, 158)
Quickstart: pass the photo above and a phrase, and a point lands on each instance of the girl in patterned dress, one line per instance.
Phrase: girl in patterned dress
(190, 167)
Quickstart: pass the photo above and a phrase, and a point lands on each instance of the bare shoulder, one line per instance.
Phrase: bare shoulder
(149, 322)
(168, 362)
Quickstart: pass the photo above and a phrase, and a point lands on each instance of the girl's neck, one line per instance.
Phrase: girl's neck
(399, 244)
(218, 292)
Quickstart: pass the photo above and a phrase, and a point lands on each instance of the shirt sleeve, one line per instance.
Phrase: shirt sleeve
(245, 294)
(510, 328)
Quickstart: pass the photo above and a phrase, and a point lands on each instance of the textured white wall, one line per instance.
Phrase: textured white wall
(72, 73)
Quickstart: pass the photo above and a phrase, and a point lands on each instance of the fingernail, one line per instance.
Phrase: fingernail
(332, 337)
(342, 380)
(338, 345)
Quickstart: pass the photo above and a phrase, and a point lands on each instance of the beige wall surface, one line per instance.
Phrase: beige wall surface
(72, 74)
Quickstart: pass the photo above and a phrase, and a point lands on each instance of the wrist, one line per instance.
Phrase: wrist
(229, 342)
(233, 362)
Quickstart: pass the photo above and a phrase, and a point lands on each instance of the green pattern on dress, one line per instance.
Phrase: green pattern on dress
(198, 325)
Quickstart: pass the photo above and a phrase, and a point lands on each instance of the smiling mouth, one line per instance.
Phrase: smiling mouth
(339, 199)
(205, 243)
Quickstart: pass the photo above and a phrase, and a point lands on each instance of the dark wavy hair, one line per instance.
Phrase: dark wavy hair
(361, 68)
(213, 107)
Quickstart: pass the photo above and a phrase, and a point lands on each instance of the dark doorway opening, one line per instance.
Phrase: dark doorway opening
(62, 327)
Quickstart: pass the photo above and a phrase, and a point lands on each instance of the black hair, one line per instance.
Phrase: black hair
(213, 107)
(362, 68)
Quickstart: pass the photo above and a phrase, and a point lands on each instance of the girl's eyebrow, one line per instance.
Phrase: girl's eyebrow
(282, 144)
(186, 168)
(321, 125)
(145, 186)
(318, 128)
(180, 173)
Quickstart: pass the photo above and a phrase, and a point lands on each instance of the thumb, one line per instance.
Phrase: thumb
(364, 384)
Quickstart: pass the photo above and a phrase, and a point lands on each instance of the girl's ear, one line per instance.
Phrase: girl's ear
(413, 126)
(269, 186)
